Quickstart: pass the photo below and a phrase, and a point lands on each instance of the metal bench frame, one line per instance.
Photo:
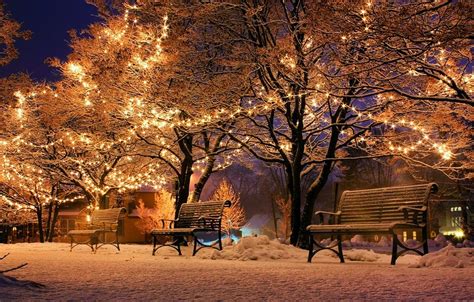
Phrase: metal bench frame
(376, 211)
(193, 219)
(102, 222)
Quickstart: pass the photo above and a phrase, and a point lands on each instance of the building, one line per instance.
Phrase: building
(454, 216)
(73, 215)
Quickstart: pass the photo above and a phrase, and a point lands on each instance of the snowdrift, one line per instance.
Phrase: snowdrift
(449, 256)
(262, 248)
(7, 281)
(255, 248)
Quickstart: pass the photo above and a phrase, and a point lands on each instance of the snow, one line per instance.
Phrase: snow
(262, 248)
(449, 256)
(278, 273)
(361, 255)
(8, 281)
(255, 248)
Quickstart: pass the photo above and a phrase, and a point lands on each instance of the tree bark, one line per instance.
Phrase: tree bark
(184, 177)
(39, 215)
(48, 220)
(52, 227)
(295, 204)
(199, 186)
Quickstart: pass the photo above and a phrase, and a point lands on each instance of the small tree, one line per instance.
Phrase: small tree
(151, 218)
(233, 217)
(284, 223)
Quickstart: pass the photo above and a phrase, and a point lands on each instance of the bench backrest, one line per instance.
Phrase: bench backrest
(381, 205)
(190, 214)
(106, 217)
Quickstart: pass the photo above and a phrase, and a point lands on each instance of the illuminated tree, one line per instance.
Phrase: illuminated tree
(325, 77)
(129, 70)
(151, 218)
(234, 216)
(10, 31)
(170, 88)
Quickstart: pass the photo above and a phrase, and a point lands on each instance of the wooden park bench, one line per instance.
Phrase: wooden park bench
(376, 211)
(102, 222)
(193, 219)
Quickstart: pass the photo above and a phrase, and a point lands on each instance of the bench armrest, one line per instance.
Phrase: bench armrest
(416, 211)
(214, 223)
(170, 225)
(321, 215)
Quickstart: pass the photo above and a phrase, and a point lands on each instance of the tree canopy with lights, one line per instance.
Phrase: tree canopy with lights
(157, 92)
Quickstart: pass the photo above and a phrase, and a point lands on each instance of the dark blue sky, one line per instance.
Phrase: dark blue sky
(49, 20)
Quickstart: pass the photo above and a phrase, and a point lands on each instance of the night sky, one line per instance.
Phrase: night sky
(50, 21)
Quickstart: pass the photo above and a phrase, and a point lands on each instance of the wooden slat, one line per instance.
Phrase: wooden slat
(190, 213)
(107, 216)
(381, 205)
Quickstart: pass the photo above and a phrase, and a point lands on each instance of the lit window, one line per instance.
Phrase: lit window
(455, 221)
(404, 236)
(414, 235)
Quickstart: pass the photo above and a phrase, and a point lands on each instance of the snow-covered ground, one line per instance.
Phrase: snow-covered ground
(256, 269)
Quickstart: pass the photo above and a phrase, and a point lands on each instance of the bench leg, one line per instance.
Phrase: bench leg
(424, 237)
(321, 247)
(178, 246)
(117, 241)
(394, 249)
(220, 240)
(339, 248)
(195, 249)
(154, 245)
(310, 247)
(75, 243)
(405, 249)
(94, 241)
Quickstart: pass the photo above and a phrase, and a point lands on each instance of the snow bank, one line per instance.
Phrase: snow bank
(358, 240)
(262, 248)
(439, 241)
(384, 242)
(7, 281)
(447, 257)
(361, 255)
(255, 248)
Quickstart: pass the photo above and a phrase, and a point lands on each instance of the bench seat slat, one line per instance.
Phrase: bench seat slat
(383, 227)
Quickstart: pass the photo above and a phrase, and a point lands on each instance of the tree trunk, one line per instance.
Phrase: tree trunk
(52, 227)
(323, 176)
(199, 186)
(184, 178)
(313, 192)
(48, 220)
(295, 205)
(39, 215)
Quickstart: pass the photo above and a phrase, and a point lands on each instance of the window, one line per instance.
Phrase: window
(455, 221)
(404, 236)
(414, 235)
(66, 225)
